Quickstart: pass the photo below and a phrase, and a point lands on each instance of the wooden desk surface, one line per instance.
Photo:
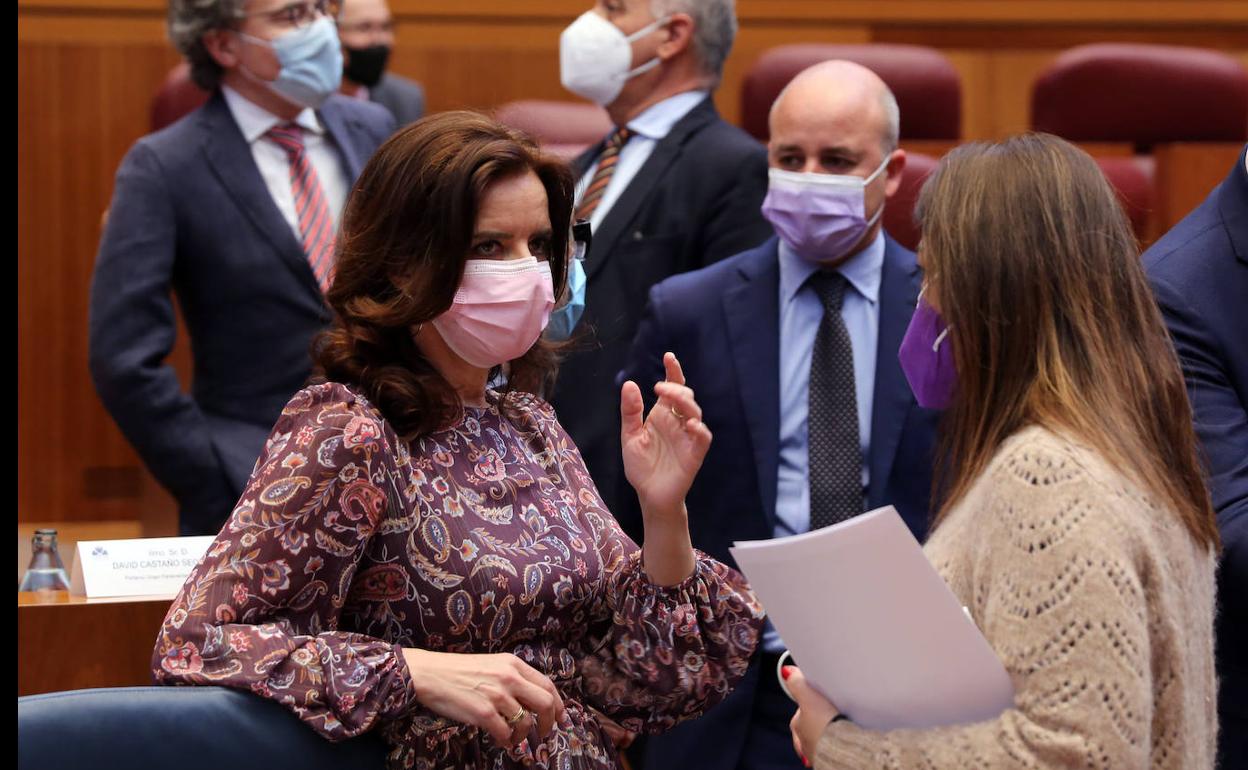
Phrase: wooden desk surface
(70, 642)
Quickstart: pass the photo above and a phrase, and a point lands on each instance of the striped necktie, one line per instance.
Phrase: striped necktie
(316, 224)
(602, 175)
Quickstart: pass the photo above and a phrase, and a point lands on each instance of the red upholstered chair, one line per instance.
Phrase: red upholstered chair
(1132, 178)
(899, 211)
(927, 87)
(178, 96)
(1143, 94)
(562, 128)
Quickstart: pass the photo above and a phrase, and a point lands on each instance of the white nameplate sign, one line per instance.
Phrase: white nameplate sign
(150, 566)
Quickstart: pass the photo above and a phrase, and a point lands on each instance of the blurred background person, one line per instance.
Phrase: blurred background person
(673, 188)
(421, 553)
(793, 349)
(1199, 272)
(1075, 525)
(233, 209)
(366, 29)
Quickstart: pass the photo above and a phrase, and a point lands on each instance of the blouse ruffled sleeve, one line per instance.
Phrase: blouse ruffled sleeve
(665, 653)
(671, 652)
(284, 561)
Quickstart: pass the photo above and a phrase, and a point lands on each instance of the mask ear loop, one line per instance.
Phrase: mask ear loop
(784, 657)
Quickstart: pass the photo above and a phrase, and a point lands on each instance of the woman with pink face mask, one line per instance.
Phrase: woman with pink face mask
(419, 553)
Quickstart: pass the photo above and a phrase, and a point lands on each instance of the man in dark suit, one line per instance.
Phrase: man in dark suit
(1199, 272)
(233, 208)
(673, 188)
(366, 29)
(803, 330)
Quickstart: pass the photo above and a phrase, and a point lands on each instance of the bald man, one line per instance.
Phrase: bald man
(801, 330)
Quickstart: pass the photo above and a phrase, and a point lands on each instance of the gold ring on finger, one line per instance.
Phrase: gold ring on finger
(676, 413)
(516, 717)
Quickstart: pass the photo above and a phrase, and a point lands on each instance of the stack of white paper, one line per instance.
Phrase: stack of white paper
(874, 627)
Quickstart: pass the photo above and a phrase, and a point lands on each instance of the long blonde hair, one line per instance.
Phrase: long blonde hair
(1034, 268)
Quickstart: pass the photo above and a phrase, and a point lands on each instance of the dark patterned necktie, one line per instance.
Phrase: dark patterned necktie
(602, 175)
(835, 459)
(316, 223)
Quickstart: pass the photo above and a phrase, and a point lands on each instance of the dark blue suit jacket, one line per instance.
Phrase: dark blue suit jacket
(695, 201)
(1199, 272)
(190, 212)
(723, 323)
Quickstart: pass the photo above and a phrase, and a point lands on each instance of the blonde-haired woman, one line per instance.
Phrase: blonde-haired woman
(1075, 523)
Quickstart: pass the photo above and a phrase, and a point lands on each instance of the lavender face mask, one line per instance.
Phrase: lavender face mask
(926, 361)
(819, 216)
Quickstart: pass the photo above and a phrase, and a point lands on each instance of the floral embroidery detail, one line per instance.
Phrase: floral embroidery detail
(239, 642)
(360, 431)
(183, 659)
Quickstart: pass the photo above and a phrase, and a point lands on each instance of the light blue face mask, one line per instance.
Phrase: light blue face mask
(563, 319)
(311, 59)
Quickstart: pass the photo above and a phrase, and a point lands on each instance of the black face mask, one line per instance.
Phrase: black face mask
(366, 65)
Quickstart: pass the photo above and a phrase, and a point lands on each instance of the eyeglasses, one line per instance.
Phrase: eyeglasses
(368, 28)
(299, 15)
(582, 236)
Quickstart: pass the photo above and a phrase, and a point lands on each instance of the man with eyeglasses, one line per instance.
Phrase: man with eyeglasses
(234, 210)
(366, 29)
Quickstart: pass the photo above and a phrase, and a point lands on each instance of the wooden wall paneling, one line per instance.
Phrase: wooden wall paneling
(81, 104)
(1186, 174)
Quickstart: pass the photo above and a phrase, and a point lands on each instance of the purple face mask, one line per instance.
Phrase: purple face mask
(926, 361)
(819, 216)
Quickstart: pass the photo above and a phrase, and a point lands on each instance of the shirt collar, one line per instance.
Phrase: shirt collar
(864, 271)
(255, 121)
(656, 121)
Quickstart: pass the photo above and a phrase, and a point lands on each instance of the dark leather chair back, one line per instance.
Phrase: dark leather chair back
(899, 211)
(565, 129)
(927, 87)
(188, 728)
(177, 97)
(1143, 94)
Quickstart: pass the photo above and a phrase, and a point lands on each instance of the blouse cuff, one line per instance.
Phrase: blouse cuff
(714, 595)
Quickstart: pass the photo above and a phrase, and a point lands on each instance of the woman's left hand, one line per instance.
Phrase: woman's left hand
(814, 714)
(663, 454)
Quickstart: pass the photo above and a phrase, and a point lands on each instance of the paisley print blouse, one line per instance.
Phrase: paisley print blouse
(349, 543)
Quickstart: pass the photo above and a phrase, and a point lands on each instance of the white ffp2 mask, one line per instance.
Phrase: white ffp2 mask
(595, 57)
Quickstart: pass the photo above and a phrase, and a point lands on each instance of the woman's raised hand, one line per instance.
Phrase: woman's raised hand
(663, 453)
(500, 694)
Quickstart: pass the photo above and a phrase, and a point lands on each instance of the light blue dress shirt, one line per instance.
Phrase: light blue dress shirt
(800, 315)
(649, 128)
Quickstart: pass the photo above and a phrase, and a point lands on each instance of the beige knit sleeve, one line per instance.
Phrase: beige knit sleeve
(1056, 575)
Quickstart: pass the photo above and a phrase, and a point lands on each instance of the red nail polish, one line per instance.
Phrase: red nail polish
(805, 761)
(786, 672)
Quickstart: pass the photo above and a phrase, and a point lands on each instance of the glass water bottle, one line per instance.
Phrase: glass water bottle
(46, 571)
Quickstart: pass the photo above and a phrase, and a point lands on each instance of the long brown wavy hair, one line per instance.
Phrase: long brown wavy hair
(1033, 266)
(405, 235)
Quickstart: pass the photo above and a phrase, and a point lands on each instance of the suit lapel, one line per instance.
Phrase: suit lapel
(625, 208)
(235, 168)
(899, 292)
(752, 317)
(1233, 207)
(343, 130)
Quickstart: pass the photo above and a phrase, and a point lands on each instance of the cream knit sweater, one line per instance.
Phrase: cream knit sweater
(1099, 604)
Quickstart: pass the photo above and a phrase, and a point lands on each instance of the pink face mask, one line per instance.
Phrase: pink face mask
(499, 311)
